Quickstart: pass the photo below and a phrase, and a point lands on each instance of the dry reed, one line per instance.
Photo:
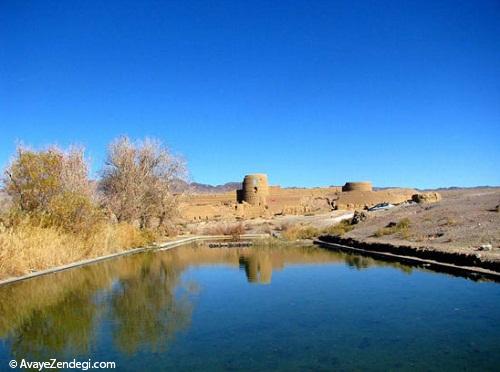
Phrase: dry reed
(25, 247)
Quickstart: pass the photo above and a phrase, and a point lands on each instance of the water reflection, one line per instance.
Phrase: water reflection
(146, 311)
(51, 314)
(258, 267)
(61, 326)
(58, 315)
(143, 297)
(258, 264)
(363, 262)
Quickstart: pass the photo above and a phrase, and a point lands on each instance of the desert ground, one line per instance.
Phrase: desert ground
(465, 221)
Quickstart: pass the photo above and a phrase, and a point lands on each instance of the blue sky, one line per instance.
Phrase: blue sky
(313, 93)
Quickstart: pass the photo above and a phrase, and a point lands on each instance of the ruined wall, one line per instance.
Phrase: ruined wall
(287, 201)
(361, 199)
(258, 199)
(212, 199)
(357, 186)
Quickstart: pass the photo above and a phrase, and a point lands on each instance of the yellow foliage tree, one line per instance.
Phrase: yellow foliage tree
(52, 187)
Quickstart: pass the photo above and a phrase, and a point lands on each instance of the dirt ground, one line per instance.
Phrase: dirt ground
(276, 224)
(463, 221)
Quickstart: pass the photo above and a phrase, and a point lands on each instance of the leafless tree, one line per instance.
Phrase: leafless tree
(137, 181)
(75, 172)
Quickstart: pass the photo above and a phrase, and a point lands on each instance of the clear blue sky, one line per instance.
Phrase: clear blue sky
(311, 92)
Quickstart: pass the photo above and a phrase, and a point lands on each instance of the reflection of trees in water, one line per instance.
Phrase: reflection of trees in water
(359, 262)
(22, 301)
(363, 262)
(146, 310)
(63, 326)
(57, 315)
(49, 315)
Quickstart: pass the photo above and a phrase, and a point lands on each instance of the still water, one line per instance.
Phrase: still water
(260, 308)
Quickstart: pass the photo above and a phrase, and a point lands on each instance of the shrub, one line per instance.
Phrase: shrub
(234, 230)
(51, 188)
(74, 212)
(34, 178)
(448, 221)
(339, 229)
(401, 227)
(296, 232)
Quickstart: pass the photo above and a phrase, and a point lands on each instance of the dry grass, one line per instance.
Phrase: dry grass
(448, 221)
(26, 248)
(298, 232)
(402, 228)
(339, 229)
(234, 230)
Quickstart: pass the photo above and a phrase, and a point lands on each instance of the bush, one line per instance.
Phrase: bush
(51, 188)
(75, 213)
(339, 229)
(234, 230)
(296, 232)
(401, 227)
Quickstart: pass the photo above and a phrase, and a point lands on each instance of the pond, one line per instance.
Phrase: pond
(291, 307)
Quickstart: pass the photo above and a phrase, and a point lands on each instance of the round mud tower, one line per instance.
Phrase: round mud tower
(358, 186)
(255, 189)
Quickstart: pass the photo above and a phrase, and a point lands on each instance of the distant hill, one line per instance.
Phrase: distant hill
(485, 187)
(201, 188)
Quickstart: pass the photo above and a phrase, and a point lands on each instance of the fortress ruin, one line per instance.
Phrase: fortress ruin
(257, 198)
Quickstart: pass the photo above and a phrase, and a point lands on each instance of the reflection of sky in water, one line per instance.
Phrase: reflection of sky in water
(202, 308)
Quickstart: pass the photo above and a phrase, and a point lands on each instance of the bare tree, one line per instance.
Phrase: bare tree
(75, 172)
(137, 181)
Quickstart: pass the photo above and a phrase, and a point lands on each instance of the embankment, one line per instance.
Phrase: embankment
(422, 255)
(156, 247)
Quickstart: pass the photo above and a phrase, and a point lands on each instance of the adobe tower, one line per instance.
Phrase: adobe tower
(255, 190)
(358, 186)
